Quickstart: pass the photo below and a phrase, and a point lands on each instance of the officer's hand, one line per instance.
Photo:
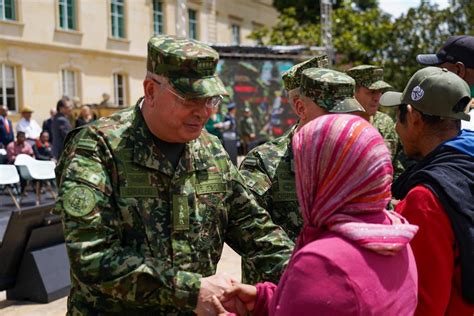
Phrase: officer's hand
(220, 310)
(213, 285)
(240, 294)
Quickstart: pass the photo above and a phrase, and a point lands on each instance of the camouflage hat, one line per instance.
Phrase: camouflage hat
(330, 89)
(189, 65)
(369, 76)
(291, 77)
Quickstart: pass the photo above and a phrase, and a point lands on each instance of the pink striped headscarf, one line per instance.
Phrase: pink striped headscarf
(343, 173)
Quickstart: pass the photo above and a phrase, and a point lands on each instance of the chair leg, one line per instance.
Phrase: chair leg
(38, 192)
(13, 197)
(50, 189)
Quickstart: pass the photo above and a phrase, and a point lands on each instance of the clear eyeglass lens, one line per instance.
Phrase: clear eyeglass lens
(214, 101)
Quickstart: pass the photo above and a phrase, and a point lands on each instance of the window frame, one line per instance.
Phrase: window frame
(239, 34)
(193, 22)
(117, 19)
(158, 17)
(63, 8)
(64, 84)
(13, 10)
(124, 87)
(3, 92)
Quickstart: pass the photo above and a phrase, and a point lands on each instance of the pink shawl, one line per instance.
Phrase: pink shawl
(343, 174)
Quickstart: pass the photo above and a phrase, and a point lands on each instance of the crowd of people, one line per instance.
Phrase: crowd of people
(347, 213)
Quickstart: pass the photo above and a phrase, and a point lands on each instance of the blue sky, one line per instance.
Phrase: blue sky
(397, 7)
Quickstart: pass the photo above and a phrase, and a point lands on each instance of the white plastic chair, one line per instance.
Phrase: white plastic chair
(38, 170)
(9, 176)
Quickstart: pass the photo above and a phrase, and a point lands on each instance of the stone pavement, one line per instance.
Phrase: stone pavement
(229, 263)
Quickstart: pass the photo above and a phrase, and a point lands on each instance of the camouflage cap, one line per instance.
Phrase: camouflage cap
(330, 89)
(369, 76)
(291, 77)
(189, 65)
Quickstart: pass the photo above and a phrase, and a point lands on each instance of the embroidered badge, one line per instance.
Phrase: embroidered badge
(417, 93)
(79, 201)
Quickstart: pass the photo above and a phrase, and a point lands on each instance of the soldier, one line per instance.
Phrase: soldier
(369, 89)
(247, 130)
(268, 169)
(148, 198)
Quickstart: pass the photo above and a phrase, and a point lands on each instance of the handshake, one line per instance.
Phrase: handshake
(222, 295)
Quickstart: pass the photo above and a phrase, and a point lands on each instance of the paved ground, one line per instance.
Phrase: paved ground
(230, 263)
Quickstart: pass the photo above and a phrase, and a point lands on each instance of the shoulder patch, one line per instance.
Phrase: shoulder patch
(87, 144)
(79, 201)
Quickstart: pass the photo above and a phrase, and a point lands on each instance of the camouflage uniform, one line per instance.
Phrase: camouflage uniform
(140, 233)
(268, 169)
(371, 77)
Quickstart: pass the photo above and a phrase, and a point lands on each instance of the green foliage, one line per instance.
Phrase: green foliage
(363, 34)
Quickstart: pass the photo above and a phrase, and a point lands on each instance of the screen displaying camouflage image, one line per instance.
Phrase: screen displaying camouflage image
(256, 84)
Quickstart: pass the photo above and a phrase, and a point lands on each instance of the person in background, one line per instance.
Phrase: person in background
(6, 127)
(61, 126)
(106, 101)
(214, 124)
(247, 130)
(48, 122)
(28, 125)
(437, 193)
(42, 147)
(456, 55)
(20, 146)
(85, 116)
(352, 256)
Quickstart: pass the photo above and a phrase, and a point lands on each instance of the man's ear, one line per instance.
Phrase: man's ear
(460, 69)
(149, 89)
(300, 108)
(413, 117)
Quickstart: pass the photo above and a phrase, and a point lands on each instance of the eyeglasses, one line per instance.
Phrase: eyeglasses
(210, 103)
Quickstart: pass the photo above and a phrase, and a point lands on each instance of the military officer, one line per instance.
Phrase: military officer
(268, 169)
(369, 89)
(148, 198)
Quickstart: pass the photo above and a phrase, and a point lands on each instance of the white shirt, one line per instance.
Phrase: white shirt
(470, 124)
(31, 128)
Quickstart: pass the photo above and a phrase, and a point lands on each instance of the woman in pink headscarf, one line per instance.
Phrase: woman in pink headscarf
(352, 256)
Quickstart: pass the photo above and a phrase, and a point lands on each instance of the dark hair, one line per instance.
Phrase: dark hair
(20, 133)
(431, 120)
(61, 103)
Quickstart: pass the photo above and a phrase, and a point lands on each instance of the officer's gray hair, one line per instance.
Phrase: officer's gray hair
(293, 94)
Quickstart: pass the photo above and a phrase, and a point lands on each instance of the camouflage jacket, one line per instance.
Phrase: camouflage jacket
(386, 127)
(141, 234)
(269, 174)
(247, 126)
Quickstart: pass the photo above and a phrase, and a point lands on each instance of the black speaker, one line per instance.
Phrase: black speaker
(43, 275)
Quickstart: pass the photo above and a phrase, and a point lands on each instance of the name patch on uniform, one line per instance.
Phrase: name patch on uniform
(180, 212)
(79, 201)
(132, 192)
(87, 144)
(210, 187)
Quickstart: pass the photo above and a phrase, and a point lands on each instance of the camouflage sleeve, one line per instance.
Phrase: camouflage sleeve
(252, 233)
(92, 229)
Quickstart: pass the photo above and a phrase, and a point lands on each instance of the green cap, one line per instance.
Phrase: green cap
(189, 65)
(292, 77)
(330, 89)
(369, 76)
(433, 91)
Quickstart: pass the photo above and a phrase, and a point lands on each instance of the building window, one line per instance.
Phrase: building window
(120, 90)
(192, 18)
(69, 79)
(118, 18)
(7, 10)
(8, 87)
(158, 17)
(67, 14)
(235, 34)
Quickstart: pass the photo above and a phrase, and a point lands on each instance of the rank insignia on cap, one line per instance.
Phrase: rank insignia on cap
(79, 201)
